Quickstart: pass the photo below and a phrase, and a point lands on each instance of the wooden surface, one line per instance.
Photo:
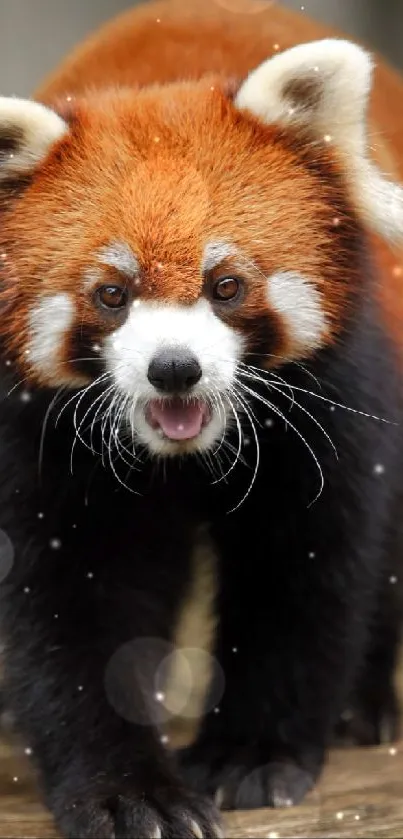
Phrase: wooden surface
(360, 795)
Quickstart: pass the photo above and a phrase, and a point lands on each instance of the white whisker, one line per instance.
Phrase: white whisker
(238, 451)
(279, 413)
(263, 373)
(45, 425)
(249, 415)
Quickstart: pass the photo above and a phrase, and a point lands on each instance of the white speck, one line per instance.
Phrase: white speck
(157, 139)
(235, 649)
(269, 423)
(212, 88)
(160, 697)
(357, 817)
(41, 515)
(336, 221)
(136, 304)
(216, 710)
(312, 554)
(137, 281)
(340, 816)
(11, 155)
(207, 380)
(327, 138)
(316, 69)
(68, 98)
(27, 352)
(25, 396)
(158, 20)
(80, 688)
(28, 752)
(246, 441)
(96, 348)
(302, 8)
(180, 427)
(276, 47)
(332, 408)
(379, 469)
(4, 255)
(273, 835)
(74, 526)
(393, 580)
(8, 363)
(55, 544)
(393, 751)
(90, 575)
(56, 617)
(397, 270)
(27, 590)
(291, 111)
(164, 739)
(15, 779)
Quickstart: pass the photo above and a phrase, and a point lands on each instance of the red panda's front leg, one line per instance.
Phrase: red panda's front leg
(77, 682)
(290, 674)
(297, 606)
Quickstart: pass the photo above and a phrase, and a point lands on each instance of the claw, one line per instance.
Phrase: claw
(157, 833)
(196, 830)
(281, 801)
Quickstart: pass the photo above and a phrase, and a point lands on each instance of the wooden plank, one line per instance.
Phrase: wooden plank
(360, 795)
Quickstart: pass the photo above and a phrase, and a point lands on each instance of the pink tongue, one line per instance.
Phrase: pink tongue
(179, 420)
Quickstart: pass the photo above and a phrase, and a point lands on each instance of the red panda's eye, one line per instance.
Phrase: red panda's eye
(226, 289)
(112, 296)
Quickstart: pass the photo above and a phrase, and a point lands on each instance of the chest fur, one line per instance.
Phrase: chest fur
(192, 664)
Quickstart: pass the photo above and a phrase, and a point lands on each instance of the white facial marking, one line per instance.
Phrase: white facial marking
(299, 304)
(49, 323)
(153, 327)
(215, 253)
(120, 256)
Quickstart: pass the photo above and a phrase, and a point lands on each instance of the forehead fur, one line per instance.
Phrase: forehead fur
(185, 169)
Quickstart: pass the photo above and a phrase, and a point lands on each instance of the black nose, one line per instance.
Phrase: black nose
(174, 370)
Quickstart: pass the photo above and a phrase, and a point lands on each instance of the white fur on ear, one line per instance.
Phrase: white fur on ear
(27, 131)
(323, 87)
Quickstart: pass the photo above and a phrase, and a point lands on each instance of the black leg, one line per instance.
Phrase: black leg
(295, 626)
(79, 679)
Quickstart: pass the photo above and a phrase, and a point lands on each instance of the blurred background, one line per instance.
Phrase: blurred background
(36, 34)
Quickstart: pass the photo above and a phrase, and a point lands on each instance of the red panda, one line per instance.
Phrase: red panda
(200, 337)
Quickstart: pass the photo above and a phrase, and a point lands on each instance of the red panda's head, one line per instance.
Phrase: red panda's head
(175, 234)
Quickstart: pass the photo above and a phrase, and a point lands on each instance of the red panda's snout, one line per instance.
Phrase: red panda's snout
(175, 369)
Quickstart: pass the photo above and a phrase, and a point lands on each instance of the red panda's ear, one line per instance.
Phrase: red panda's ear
(323, 88)
(27, 132)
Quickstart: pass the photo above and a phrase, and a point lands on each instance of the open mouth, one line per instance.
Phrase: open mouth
(178, 419)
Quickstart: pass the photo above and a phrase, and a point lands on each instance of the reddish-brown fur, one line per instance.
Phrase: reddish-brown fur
(144, 169)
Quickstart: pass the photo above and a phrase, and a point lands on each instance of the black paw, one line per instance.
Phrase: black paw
(249, 778)
(277, 784)
(370, 722)
(163, 815)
